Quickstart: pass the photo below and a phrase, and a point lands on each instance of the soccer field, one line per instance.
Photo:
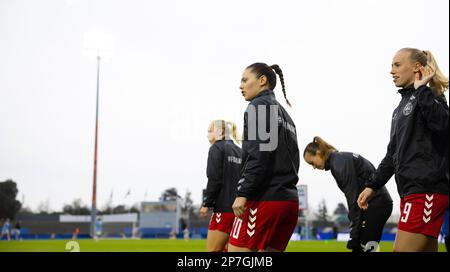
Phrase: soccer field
(163, 245)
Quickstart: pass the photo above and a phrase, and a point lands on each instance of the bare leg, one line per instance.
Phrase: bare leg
(432, 245)
(232, 248)
(216, 241)
(414, 242)
(269, 249)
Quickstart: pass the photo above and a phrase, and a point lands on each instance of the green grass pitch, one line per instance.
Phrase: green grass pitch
(163, 245)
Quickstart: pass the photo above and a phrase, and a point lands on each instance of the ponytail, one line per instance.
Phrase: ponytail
(439, 83)
(318, 144)
(232, 130)
(277, 70)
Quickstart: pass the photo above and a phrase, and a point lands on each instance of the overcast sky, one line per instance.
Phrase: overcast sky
(176, 66)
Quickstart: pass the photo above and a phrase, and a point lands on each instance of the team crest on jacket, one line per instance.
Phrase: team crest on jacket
(408, 109)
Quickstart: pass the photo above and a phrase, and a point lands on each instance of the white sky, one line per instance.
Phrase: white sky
(177, 66)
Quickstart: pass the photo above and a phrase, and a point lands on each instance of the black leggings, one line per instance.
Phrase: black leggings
(372, 224)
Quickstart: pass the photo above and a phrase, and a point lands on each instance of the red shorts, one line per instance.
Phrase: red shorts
(423, 213)
(221, 221)
(265, 224)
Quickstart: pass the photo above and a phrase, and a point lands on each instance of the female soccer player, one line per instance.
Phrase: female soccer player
(350, 171)
(224, 161)
(417, 152)
(266, 205)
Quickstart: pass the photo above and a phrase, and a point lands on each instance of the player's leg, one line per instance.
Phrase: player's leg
(414, 242)
(219, 231)
(372, 225)
(216, 241)
(432, 245)
(269, 249)
(420, 222)
(232, 248)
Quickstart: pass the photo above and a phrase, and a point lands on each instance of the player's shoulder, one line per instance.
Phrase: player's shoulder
(217, 147)
(340, 160)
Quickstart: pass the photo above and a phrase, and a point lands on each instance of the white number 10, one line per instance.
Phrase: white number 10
(236, 227)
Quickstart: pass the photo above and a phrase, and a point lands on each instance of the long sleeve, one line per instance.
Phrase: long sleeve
(384, 171)
(433, 109)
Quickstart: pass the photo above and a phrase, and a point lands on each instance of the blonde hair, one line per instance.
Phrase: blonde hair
(318, 144)
(228, 128)
(439, 83)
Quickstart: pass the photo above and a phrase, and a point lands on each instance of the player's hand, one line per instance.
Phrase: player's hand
(204, 212)
(364, 197)
(424, 76)
(239, 206)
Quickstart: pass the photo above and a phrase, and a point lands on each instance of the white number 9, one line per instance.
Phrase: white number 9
(406, 212)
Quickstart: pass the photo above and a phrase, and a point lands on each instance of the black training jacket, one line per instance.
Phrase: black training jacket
(269, 166)
(224, 164)
(418, 149)
(351, 171)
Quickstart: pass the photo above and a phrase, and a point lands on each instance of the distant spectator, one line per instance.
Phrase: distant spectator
(315, 234)
(335, 231)
(5, 230)
(299, 230)
(16, 230)
(135, 232)
(75, 233)
(186, 234)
